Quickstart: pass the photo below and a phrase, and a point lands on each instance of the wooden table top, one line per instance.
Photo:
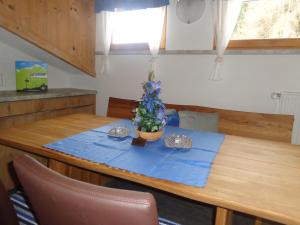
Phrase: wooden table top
(253, 176)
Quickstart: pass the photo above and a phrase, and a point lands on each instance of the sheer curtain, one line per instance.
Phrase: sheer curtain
(225, 16)
(154, 24)
(107, 30)
(155, 27)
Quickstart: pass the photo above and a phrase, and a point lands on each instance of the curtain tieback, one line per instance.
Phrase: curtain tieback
(219, 59)
(153, 60)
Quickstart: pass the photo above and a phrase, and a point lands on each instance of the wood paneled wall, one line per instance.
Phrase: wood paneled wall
(246, 124)
(64, 28)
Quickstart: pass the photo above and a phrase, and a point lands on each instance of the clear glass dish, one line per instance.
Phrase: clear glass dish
(178, 141)
(119, 132)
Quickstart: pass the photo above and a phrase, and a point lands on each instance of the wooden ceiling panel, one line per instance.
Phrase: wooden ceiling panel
(65, 29)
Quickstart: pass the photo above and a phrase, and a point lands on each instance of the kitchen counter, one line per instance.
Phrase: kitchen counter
(9, 96)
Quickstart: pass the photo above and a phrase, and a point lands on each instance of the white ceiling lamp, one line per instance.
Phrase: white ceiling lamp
(189, 11)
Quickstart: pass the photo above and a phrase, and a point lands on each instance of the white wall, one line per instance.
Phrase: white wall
(247, 85)
(248, 80)
(195, 36)
(8, 55)
(13, 48)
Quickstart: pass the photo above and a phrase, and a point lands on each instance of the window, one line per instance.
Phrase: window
(132, 29)
(268, 24)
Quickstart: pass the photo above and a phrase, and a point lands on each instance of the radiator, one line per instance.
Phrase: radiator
(289, 103)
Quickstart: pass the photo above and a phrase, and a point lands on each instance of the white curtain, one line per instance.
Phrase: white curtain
(155, 26)
(225, 15)
(107, 30)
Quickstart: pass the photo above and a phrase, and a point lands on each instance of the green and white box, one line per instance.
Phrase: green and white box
(31, 76)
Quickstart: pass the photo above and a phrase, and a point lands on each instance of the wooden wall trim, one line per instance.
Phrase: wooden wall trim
(246, 124)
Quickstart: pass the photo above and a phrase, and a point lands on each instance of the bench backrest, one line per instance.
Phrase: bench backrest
(246, 124)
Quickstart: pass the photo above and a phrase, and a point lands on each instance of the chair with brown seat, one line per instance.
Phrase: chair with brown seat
(56, 199)
(7, 212)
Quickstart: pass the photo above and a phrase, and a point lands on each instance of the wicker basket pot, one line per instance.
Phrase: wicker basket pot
(150, 136)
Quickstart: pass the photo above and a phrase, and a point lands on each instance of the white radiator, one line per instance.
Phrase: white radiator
(289, 103)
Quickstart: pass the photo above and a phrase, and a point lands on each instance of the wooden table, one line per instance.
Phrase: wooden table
(256, 177)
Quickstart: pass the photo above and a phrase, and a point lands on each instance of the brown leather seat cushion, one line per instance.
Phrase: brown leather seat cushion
(60, 200)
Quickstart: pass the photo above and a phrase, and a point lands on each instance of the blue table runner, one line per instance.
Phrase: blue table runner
(190, 167)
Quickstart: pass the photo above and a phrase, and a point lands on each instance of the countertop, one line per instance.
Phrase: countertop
(9, 96)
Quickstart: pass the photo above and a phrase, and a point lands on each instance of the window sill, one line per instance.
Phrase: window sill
(129, 47)
(206, 52)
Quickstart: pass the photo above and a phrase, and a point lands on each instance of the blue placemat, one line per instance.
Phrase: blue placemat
(190, 167)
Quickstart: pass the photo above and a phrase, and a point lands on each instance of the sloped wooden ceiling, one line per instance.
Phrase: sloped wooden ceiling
(64, 28)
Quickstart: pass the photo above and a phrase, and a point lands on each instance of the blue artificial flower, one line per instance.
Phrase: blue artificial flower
(160, 104)
(152, 87)
(150, 115)
(160, 114)
(164, 122)
(156, 85)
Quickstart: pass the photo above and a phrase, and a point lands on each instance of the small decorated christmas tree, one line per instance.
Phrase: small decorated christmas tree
(150, 115)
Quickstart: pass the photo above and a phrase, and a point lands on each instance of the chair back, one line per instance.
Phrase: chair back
(57, 199)
(8, 215)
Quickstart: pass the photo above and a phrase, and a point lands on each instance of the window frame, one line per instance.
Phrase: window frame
(272, 43)
(284, 43)
(142, 46)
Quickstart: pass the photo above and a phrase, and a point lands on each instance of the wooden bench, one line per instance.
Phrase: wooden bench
(273, 127)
